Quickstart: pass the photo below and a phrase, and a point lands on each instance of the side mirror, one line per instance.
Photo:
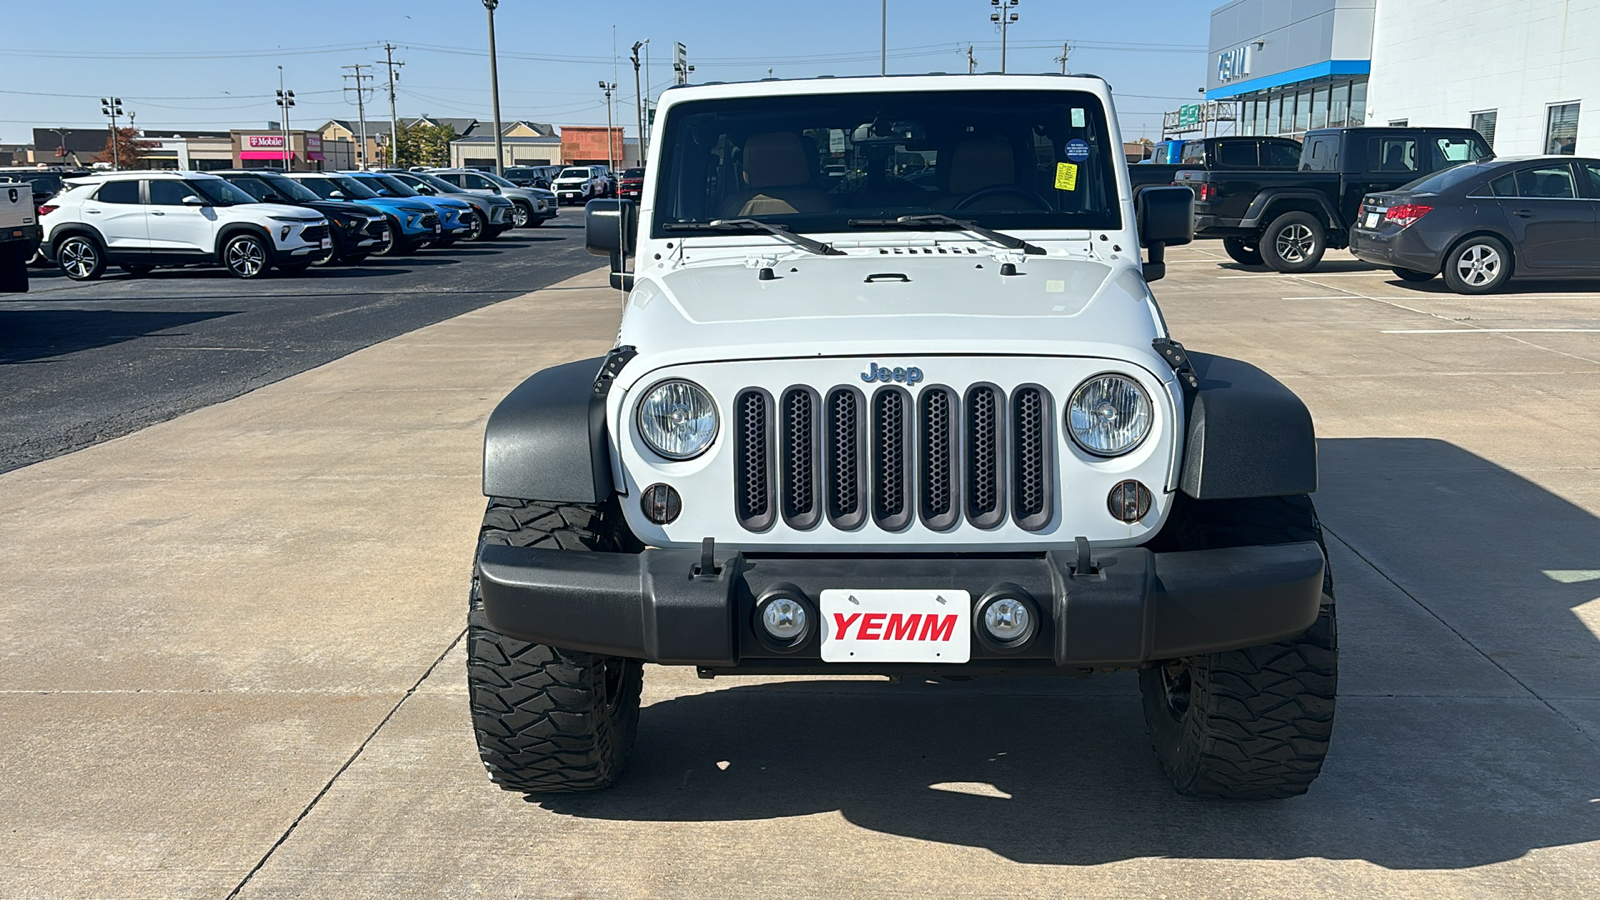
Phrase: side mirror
(496, 188)
(336, 195)
(192, 200)
(384, 192)
(611, 228)
(1166, 216)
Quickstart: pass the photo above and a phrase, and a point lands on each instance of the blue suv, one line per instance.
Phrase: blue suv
(411, 223)
(456, 216)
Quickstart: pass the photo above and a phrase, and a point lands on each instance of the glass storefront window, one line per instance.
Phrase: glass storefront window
(1358, 103)
(1302, 111)
(1319, 107)
(1561, 129)
(1272, 113)
(1339, 106)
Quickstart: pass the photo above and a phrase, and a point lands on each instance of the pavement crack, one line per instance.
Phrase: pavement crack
(1463, 638)
(283, 838)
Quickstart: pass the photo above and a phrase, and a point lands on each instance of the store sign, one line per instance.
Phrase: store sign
(313, 142)
(1233, 63)
(265, 141)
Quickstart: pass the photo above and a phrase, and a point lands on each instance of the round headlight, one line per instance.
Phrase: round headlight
(1109, 415)
(677, 419)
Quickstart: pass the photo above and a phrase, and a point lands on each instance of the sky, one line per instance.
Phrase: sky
(215, 66)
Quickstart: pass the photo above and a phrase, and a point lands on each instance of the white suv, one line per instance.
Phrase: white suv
(140, 220)
(579, 184)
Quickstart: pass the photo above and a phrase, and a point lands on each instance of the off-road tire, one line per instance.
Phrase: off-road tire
(1241, 251)
(550, 720)
(1293, 242)
(1251, 724)
(1413, 275)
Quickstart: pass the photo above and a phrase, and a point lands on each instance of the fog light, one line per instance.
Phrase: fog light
(661, 504)
(1129, 501)
(784, 619)
(1006, 619)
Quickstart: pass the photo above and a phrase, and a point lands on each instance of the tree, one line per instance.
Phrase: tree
(424, 145)
(129, 148)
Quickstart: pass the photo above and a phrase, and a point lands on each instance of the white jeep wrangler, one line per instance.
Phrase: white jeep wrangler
(927, 421)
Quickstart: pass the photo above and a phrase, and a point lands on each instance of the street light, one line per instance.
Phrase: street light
(1004, 17)
(638, 98)
(285, 102)
(611, 149)
(494, 88)
(112, 107)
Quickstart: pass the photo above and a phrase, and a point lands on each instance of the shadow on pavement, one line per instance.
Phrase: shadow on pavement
(1512, 288)
(1326, 267)
(30, 335)
(1060, 771)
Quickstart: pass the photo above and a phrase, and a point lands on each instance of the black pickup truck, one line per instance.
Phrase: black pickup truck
(1287, 220)
(1234, 153)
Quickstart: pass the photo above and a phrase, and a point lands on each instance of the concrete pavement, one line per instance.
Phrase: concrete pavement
(230, 657)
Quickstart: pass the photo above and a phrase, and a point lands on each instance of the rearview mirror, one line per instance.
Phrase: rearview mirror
(192, 200)
(611, 228)
(1165, 216)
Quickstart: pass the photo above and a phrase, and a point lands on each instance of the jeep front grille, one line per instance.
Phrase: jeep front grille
(939, 457)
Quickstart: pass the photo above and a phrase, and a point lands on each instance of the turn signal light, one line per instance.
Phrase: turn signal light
(1406, 213)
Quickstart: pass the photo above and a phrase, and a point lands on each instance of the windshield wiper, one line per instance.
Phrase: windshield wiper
(1005, 240)
(747, 225)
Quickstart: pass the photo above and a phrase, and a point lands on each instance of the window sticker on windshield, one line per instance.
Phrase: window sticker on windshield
(1077, 150)
(1066, 177)
(1077, 117)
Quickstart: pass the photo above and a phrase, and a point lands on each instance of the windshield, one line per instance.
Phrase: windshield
(576, 173)
(1004, 159)
(219, 192)
(434, 181)
(497, 179)
(632, 173)
(394, 186)
(290, 188)
(352, 187)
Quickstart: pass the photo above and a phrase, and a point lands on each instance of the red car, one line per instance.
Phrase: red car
(632, 184)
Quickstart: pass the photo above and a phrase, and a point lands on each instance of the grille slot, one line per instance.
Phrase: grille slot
(844, 443)
(984, 451)
(891, 458)
(800, 448)
(1032, 457)
(752, 459)
(938, 452)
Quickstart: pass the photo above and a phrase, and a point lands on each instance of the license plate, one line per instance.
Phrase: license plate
(1373, 219)
(437, 229)
(327, 243)
(896, 626)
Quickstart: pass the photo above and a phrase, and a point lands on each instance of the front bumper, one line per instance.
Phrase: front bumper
(1130, 608)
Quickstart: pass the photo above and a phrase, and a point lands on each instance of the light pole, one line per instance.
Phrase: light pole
(494, 87)
(638, 98)
(611, 149)
(883, 55)
(285, 103)
(112, 106)
(1003, 16)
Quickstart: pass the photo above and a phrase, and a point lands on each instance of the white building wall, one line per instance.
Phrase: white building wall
(1435, 62)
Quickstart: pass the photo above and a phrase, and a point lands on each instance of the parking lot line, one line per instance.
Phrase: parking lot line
(1494, 331)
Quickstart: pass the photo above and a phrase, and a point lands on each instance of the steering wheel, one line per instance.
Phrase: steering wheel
(1024, 193)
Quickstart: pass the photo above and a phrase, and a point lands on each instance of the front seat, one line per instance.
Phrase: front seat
(978, 163)
(778, 176)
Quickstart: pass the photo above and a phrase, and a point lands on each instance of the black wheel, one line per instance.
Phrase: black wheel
(550, 720)
(1477, 265)
(1241, 251)
(80, 258)
(392, 245)
(1251, 724)
(475, 227)
(334, 253)
(137, 270)
(1293, 242)
(294, 268)
(1414, 275)
(245, 256)
(521, 215)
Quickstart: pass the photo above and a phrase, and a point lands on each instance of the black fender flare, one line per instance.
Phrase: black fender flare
(1257, 215)
(547, 439)
(227, 232)
(1247, 435)
(81, 229)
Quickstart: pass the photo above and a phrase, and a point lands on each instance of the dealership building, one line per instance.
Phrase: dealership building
(1522, 72)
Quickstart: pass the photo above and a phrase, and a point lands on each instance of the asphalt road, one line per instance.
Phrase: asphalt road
(82, 363)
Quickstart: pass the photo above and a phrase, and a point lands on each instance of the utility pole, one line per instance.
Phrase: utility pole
(1004, 17)
(394, 122)
(638, 98)
(883, 63)
(361, 108)
(611, 148)
(494, 87)
(972, 61)
(111, 106)
(285, 102)
(1066, 54)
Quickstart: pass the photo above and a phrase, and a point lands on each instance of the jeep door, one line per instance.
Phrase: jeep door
(176, 226)
(118, 213)
(1552, 226)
